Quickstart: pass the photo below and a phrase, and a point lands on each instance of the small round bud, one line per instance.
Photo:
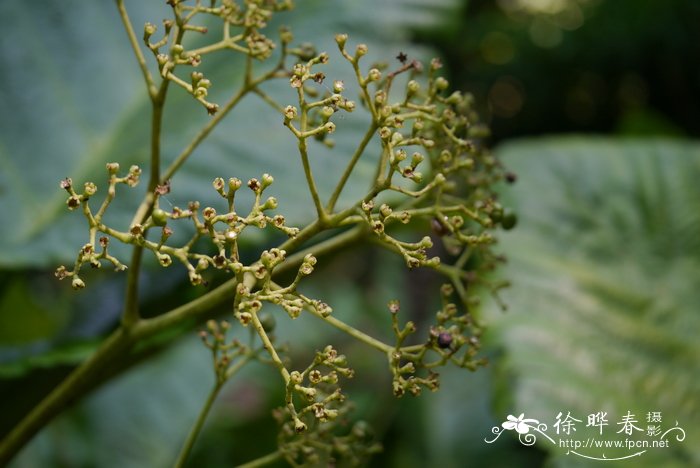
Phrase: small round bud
(348, 105)
(341, 39)
(416, 159)
(299, 426)
(286, 36)
(400, 155)
(338, 86)
(394, 306)
(396, 138)
(148, 30)
(361, 50)
(327, 111)
(374, 75)
(270, 204)
(290, 112)
(413, 86)
(234, 184)
(385, 210)
(384, 133)
(177, 50)
(454, 98)
(329, 127)
(112, 167)
(77, 283)
(380, 97)
(218, 185)
(441, 83)
(267, 180)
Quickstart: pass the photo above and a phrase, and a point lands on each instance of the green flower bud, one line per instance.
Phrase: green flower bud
(341, 39)
(77, 283)
(290, 112)
(374, 75)
(234, 184)
(270, 204)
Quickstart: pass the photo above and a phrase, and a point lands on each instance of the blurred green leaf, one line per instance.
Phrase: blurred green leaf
(605, 265)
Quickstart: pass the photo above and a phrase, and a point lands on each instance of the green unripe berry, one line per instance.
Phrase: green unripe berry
(159, 217)
(509, 220)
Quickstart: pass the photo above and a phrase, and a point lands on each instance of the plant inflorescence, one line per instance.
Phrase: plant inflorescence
(432, 172)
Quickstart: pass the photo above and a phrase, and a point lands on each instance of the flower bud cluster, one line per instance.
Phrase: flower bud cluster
(222, 229)
(225, 352)
(314, 117)
(412, 367)
(311, 421)
(170, 53)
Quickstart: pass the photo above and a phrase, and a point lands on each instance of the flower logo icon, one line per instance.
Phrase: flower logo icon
(520, 424)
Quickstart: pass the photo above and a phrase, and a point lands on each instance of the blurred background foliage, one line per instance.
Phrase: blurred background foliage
(604, 264)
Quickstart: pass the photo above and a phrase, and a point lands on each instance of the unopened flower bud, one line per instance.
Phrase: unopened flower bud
(270, 204)
(77, 283)
(148, 30)
(112, 167)
(341, 39)
(374, 75)
(267, 180)
(234, 184)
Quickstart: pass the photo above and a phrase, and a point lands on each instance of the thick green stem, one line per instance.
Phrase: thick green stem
(114, 351)
(63, 395)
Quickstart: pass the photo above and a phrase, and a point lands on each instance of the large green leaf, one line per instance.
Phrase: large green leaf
(72, 99)
(605, 265)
